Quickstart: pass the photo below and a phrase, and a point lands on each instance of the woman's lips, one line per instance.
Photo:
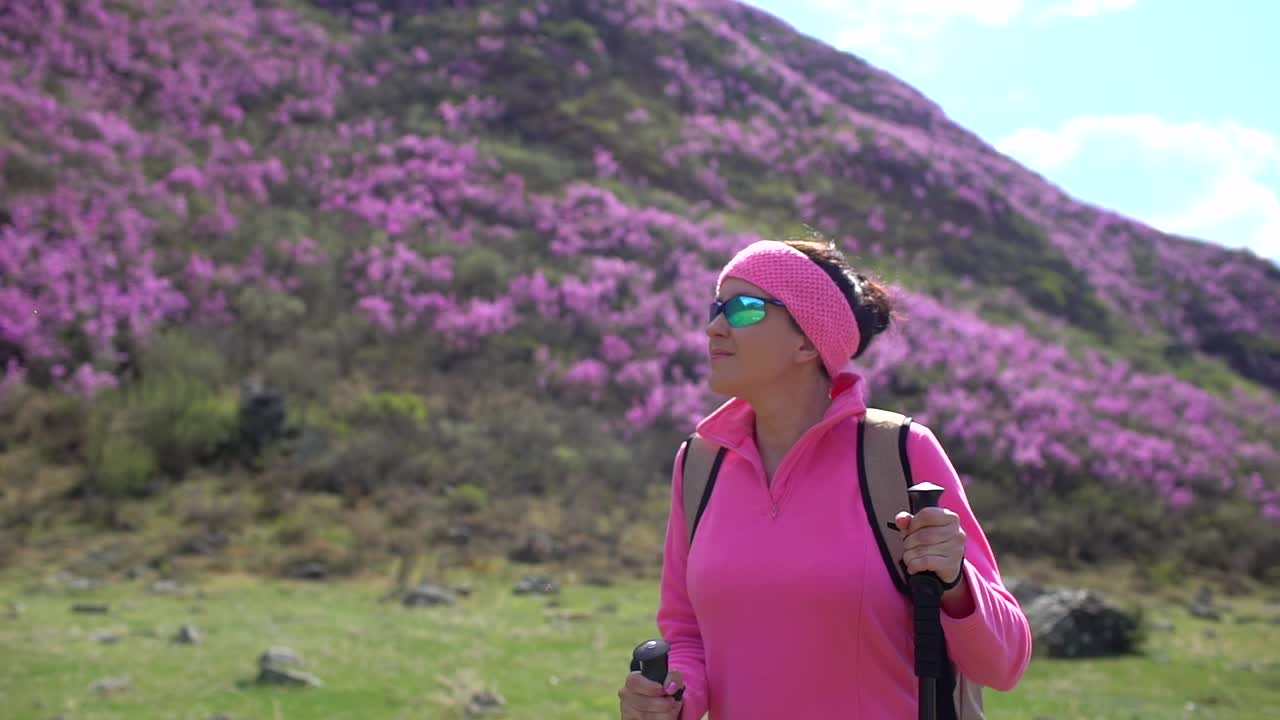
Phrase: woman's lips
(720, 354)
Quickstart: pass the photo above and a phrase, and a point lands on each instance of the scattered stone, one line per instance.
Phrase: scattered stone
(306, 570)
(290, 677)
(609, 608)
(1209, 634)
(539, 547)
(166, 587)
(463, 590)
(1079, 623)
(188, 635)
(279, 656)
(536, 585)
(281, 665)
(16, 609)
(106, 637)
(90, 608)
(1247, 619)
(108, 685)
(598, 581)
(78, 582)
(429, 594)
(263, 412)
(1202, 606)
(205, 543)
(484, 701)
(1161, 626)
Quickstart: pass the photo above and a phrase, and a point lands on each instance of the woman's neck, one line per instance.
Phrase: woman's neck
(785, 412)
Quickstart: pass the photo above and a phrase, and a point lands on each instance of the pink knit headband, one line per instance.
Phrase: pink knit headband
(811, 296)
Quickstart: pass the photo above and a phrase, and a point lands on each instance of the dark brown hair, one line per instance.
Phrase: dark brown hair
(873, 305)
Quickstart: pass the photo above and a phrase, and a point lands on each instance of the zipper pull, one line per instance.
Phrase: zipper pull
(774, 511)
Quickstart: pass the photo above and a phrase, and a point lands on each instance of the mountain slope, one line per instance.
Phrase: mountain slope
(473, 244)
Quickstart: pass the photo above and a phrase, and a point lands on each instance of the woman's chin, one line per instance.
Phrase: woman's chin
(720, 384)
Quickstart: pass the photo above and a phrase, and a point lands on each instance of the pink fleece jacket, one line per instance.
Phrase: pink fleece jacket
(784, 608)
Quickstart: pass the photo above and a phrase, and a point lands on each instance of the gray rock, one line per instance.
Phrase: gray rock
(536, 585)
(166, 587)
(429, 594)
(280, 665)
(16, 609)
(291, 677)
(1161, 626)
(306, 570)
(1202, 606)
(78, 582)
(278, 657)
(90, 608)
(263, 413)
(1079, 623)
(106, 637)
(188, 635)
(539, 547)
(483, 702)
(108, 685)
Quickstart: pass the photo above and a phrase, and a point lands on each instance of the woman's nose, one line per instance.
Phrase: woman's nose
(719, 327)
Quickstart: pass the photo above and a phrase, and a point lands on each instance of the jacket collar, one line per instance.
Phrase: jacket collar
(733, 423)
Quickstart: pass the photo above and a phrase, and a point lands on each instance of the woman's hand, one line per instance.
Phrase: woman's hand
(643, 699)
(933, 540)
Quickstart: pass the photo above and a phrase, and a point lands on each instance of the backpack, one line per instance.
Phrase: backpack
(884, 474)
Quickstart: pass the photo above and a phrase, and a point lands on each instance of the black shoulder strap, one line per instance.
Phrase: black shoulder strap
(699, 467)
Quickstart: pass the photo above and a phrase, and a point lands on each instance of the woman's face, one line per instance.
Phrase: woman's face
(745, 358)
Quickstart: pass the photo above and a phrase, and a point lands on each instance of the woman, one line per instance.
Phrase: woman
(784, 608)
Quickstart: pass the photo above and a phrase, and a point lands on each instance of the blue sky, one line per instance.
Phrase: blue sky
(1167, 111)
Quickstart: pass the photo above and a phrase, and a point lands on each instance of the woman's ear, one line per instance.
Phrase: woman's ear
(805, 350)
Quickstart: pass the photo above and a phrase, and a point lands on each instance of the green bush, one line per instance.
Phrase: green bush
(468, 498)
(119, 465)
(166, 424)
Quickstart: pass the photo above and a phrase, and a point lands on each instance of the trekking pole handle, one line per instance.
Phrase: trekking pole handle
(650, 658)
(926, 596)
(924, 495)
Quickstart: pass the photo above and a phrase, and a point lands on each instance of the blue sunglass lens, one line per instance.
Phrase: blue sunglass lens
(740, 311)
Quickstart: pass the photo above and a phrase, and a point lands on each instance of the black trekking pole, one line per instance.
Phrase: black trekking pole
(926, 599)
(650, 658)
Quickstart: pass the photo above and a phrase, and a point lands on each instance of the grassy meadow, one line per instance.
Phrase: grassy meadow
(550, 657)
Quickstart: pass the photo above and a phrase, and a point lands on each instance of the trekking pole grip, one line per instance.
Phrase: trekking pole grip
(650, 658)
(926, 601)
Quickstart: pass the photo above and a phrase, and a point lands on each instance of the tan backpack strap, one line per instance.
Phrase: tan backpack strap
(885, 475)
(701, 460)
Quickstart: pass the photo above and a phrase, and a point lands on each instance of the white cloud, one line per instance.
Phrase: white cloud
(1087, 8)
(881, 27)
(1227, 170)
(891, 32)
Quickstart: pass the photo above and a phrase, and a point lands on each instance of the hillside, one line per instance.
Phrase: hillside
(466, 248)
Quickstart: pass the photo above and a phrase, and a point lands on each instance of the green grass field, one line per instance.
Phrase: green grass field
(382, 660)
